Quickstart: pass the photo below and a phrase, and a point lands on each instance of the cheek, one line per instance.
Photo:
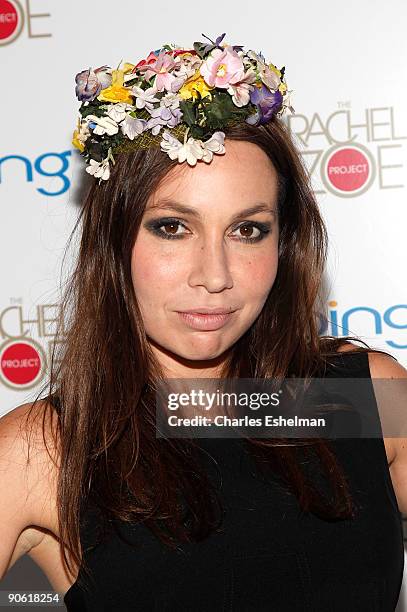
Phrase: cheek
(257, 275)
(152, 270)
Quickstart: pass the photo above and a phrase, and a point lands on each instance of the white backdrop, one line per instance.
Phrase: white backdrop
(346, 65)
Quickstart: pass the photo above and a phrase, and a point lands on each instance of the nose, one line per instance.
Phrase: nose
(210, 265)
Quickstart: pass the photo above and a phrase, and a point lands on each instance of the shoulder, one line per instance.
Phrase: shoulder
(386, 367)
(30, 427)
(381, 364)
(29, 462)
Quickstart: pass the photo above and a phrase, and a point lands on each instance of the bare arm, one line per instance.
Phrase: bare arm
(27, 485)
(382, 366)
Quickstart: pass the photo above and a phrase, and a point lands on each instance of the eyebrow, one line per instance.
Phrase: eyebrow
(194, 212)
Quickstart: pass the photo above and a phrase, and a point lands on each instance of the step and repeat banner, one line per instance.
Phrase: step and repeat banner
(346, 66)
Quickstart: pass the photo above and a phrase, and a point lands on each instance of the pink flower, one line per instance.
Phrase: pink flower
(223, 68)
(240, 92)
(162, 67)
(151, 59)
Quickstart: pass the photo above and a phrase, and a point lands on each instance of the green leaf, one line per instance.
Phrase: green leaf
(221, 111)
(197, 131)
(141, 113)
(95, 150)
(93, 108)
(132, 82)
(188, 112)
(199, 48)
(220, 108)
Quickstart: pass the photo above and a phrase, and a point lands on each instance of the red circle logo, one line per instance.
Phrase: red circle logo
(21, 363)
(11, 20)
(348, 169)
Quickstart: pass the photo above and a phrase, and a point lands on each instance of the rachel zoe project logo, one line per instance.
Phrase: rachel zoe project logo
(23, 360)
(13, 18)
(22, 363)
(336, 158)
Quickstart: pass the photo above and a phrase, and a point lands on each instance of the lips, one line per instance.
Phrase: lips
(206, 321)
(211, 311)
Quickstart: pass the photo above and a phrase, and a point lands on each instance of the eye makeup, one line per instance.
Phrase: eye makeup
(154, 226)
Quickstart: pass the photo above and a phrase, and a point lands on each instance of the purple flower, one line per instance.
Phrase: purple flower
(89, 83)
(217, 44)
(268, 103)
(161, 116)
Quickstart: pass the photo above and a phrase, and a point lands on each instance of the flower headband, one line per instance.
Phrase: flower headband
(188, 93)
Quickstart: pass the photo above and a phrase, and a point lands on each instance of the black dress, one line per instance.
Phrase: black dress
(270, 555)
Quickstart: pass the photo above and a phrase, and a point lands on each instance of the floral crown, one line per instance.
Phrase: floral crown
(189, 93)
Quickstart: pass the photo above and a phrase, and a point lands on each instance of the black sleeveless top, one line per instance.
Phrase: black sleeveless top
(269, 555)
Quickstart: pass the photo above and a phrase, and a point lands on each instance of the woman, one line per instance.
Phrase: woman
(155, 523)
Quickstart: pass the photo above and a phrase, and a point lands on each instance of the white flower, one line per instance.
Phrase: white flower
(186, 65)
(83, 132)
(268, 76)
(193, 149)
(168, 142)
(130, 76)
(257, 57)
(144, 98)
(213, 145)
(133, 127)
(117, 112)
(287, 102)
(170, 100)
(104, 125)
(190, 151)
(99, 169)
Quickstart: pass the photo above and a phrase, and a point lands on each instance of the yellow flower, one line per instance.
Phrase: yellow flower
(282, 88)
(194, 84)
(128, 67)
(116, 92)
(76, 142)
(275, 70)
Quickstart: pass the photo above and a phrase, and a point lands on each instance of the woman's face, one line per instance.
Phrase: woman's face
(215, 255)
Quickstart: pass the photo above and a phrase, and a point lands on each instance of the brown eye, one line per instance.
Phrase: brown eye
(167, 228)
(247, 231)
(172, 227)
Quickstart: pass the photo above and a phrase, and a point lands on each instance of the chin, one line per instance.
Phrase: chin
(203, 355)
(204, 348)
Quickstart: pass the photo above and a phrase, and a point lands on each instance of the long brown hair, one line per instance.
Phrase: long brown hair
(101, 383)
